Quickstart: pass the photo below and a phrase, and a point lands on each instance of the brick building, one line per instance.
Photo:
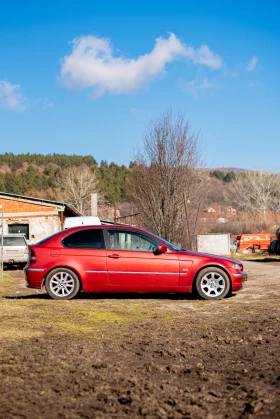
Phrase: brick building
(35, 217)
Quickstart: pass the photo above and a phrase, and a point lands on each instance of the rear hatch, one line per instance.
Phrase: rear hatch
(15, 249)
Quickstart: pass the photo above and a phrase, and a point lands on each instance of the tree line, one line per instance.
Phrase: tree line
(16, 161)
(224, 177)
(42, 174)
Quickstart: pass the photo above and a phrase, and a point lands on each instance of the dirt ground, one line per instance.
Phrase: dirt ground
(141, 356)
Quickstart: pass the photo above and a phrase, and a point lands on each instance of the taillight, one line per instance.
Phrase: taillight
(32, 256)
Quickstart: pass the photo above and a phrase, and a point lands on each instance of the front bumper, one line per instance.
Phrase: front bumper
(238, 280)
(242, 275)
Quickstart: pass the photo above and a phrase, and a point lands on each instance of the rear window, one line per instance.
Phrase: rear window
(13, 241)
(48, 238)
(85, 239)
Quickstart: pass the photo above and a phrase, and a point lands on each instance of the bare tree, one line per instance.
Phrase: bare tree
(256, 192)
(164, 175)
(78, 183)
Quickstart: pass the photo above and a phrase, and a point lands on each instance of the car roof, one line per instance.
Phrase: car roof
(104, 227)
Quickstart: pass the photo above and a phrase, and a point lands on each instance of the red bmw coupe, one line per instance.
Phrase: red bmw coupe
(126, 259)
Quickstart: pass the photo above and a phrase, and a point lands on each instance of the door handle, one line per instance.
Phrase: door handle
(114, 256)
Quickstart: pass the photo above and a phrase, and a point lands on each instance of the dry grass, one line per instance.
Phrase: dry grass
(25, 315)
(256, 257)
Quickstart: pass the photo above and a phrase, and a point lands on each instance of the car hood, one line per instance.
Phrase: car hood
(209, 255)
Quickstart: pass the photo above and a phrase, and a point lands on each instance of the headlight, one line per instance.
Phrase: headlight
(237, 266)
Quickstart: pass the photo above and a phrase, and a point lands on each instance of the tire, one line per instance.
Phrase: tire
(212, 284)
(273, 246)
(269, 249)
(277, 248)
(277, 233)
(62, 284)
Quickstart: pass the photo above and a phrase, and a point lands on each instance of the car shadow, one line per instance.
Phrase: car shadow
(115, 296)
(14, 267)
(109, 296)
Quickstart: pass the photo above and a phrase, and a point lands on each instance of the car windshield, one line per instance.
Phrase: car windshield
(177, 249)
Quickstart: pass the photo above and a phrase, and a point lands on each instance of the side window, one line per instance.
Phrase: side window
(85, 239)
(128, 240)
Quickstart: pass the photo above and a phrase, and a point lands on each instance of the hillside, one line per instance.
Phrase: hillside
(36, 175)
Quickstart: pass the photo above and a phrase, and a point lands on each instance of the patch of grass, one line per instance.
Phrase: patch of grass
(25, 318)
(257, 257)
(6, 281)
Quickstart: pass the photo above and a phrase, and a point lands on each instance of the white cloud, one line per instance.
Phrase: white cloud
(11, 97)
(196, 88)
(46, 103)
(92, 64)
(252, 64)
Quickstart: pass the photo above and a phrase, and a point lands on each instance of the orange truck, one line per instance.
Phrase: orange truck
(249, 243)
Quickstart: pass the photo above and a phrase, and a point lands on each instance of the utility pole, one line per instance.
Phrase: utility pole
(187, 219)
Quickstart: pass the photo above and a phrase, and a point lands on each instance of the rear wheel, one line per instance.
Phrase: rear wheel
(62, 284)
(212, 283)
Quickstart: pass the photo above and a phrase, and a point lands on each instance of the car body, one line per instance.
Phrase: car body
(15, 249)
(126, 259)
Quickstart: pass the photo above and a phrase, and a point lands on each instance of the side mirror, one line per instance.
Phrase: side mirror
(162, 249)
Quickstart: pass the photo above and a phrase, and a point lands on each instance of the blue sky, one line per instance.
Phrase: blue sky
(86, 77)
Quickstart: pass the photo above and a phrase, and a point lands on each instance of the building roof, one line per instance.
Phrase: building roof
(62, 206)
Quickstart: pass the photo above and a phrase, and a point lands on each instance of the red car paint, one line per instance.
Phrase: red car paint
(123, 262)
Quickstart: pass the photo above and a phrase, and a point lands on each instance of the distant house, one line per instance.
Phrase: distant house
(210, 210)
(109, 213)
(230, 210)
(35, 217)
(222, 220)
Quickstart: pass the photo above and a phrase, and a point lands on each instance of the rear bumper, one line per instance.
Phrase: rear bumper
(34, 277)
(15, 260)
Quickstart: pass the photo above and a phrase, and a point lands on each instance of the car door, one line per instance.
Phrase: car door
(133, 263)
(85, 250)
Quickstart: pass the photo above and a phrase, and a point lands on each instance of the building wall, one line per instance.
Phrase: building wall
(16, 206)
(217, 244)
(42, 220)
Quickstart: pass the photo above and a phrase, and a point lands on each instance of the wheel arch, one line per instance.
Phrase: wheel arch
(66, 267)
(211, 265)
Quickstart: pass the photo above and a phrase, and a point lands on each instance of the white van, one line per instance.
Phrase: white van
(81, 221)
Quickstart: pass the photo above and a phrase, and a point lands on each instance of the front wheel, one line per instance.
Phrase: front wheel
(212, 284)
(62, 284)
